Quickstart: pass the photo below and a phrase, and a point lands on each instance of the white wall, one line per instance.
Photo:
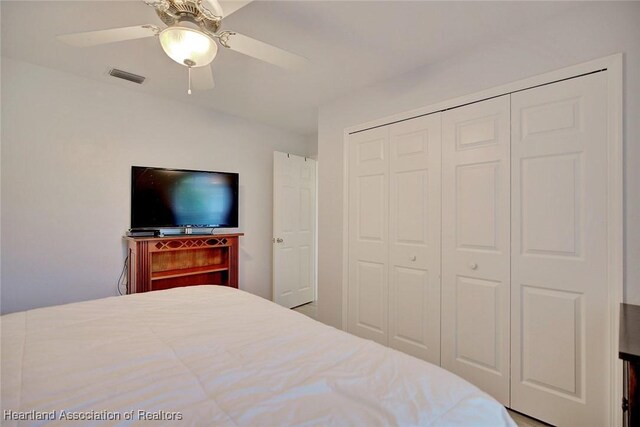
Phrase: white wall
(591, 31)
(68, 144)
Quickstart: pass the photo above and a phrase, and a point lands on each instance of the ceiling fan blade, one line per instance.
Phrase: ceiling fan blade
(265, 52)
(213, 7)
(93, 38)
(230, 6)
(202, 78)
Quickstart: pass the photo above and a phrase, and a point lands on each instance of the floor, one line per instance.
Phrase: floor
(524, 421)
(311, 310)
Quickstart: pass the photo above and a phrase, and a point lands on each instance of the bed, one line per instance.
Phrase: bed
(217, 356)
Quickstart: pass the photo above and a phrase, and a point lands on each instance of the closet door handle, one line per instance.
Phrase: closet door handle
(473, 266)
(412, 258)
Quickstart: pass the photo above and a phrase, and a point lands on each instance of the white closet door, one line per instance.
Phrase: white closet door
(476, 244)
(414, 234)
(369, 234)
(559, 253)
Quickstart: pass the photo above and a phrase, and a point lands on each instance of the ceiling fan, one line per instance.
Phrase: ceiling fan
(192, 36)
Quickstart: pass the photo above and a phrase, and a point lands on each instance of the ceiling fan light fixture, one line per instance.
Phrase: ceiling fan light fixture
(187, 46)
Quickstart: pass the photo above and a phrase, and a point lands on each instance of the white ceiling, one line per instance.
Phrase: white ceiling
(350, 44)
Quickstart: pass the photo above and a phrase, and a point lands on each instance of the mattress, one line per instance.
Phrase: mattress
(217, 356)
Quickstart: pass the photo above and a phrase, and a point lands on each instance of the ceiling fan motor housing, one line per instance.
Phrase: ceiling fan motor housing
(179, 11)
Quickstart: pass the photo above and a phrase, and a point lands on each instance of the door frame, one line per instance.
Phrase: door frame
(613, 65)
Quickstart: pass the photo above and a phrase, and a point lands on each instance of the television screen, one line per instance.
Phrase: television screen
(179, 198)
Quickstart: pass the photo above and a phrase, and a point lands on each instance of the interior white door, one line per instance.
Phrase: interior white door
(368, 296)
(294, 218)
(476, 244)
(559, 294)
(414, 237)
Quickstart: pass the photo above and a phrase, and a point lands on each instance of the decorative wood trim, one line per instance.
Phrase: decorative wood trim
(143, 280)
(187, 244)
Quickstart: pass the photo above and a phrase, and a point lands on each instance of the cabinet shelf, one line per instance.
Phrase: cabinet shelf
(158, 275)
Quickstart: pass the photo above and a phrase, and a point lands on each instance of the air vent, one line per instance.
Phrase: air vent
(126, 76)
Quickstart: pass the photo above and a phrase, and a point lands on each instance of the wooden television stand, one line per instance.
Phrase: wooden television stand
(157, 263)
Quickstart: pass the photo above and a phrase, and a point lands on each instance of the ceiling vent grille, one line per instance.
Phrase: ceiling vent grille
(125, 75)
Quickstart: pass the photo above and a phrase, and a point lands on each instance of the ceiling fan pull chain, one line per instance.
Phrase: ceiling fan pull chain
(189, 63)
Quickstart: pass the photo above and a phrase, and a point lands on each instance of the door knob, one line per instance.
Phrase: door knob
(412, 258)
(279, 240)
(473, 266)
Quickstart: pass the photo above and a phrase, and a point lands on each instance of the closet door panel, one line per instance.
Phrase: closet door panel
(476, 244)
(368, 234)
(559, 319)
(477, 192)
(414, 234)
(477, 322)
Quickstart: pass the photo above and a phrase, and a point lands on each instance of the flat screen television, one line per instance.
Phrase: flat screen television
(171, 198)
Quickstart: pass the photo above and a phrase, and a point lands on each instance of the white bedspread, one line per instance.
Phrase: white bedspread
(216, 356)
